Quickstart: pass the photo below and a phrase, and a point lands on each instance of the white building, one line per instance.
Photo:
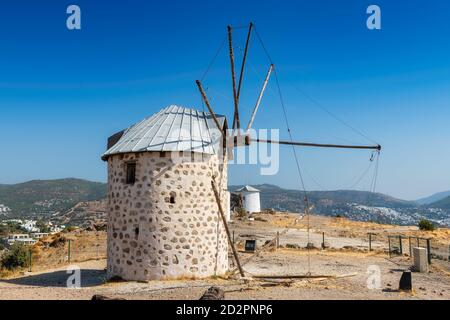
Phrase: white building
(21, 238)
(4, 209)
(38, 235)
(250, 199)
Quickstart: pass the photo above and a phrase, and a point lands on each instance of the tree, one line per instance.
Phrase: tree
(17, 257)
(426, 225)
(42, 226)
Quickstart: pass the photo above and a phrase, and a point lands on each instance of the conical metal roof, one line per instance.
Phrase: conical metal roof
(172, 129)
(247, 189)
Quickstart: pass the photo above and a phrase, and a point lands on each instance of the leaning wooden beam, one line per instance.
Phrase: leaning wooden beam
(233, 77)
(258, 102)
(304, 276)
(247, 43)
(205, 99)
(295, 276)
(230, 241)
(319, 145)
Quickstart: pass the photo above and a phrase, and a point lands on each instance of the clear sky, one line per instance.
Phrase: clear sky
(62, 93)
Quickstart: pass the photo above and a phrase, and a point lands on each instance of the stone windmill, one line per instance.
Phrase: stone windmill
(167, 189)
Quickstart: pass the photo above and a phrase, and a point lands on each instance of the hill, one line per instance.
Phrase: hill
(442, 204)
(47, 197)
(433, 198)
(292, 200)
(355, 205)
(81, 202)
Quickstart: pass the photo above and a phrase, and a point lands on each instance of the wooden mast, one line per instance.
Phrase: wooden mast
(258, 102)
(236, 122)
(247, 43)
(319, 145)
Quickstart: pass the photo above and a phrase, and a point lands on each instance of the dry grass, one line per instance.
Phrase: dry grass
(84, 246)
(342, 227)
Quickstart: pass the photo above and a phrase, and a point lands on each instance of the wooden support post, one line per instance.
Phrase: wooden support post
(219, 204)
(236, 121)
(429, 250)
(370, 242)
(400, 244)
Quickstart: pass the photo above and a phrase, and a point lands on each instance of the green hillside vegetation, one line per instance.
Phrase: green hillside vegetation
(49, 196)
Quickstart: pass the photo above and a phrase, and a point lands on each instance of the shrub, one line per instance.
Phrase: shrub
(241, 212)
(58, 241)
(426, 225)
(17, 257)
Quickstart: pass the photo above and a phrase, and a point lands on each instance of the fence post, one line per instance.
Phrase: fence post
(30, 259)
(68, 251)
(400, 244)
(389, 243)
(370, 242)
(323, 240)
(429, 250)
(410, 247)
(278, 239)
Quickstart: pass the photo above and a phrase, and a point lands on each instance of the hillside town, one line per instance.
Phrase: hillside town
(4, 210)
(26, 232)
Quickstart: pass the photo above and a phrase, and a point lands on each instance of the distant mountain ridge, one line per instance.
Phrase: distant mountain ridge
(80, 201)
(46, 197)
(442, 204)
(355, 205)
(289, 197)
(433, 198)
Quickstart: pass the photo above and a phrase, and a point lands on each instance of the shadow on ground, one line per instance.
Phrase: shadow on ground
(88, 278)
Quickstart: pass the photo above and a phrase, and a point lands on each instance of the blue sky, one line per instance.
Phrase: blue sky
(62, 93)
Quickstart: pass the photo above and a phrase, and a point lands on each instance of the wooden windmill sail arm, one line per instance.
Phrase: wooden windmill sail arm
(244, 59)
(318, 145)
(205, 99)
(236, 121)
(258, 102)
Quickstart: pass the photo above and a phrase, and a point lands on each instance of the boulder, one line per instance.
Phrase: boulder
(213, 293)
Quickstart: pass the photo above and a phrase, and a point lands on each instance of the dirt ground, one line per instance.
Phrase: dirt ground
(51, 284)
(342, 271)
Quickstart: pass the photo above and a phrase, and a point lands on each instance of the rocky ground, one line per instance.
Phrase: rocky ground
(341, 271)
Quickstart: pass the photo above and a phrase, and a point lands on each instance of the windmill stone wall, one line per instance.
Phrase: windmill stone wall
(166, 225)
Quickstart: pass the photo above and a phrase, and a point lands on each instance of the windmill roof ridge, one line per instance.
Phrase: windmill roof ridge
(174, 128)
